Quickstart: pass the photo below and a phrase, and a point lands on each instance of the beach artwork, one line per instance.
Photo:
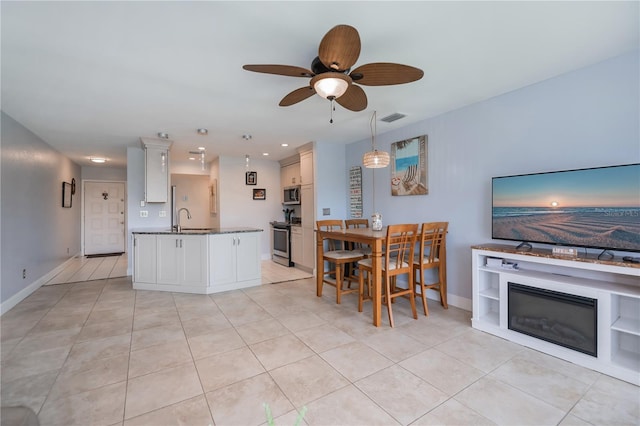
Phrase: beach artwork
(589, 208)
(409, 167)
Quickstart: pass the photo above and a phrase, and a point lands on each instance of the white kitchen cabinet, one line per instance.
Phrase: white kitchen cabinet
(309, 248)
(307, 208)
(307, 253)
(144, 258)
(306, 167)
(182, 260)
(235, 260)
(290, 175)
(156, 168)
(297, 246)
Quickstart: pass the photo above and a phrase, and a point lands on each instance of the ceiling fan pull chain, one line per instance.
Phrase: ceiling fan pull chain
(332, 108)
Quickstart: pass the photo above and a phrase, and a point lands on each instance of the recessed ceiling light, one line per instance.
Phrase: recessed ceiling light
(163, 135)
(201, 148)
(98, 159)
(203, 131)
(284, 144)
(265, 153)
(191, 158)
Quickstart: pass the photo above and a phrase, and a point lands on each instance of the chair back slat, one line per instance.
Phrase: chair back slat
(328, 226)
(432, 241)
(400, 247)
(356, 224)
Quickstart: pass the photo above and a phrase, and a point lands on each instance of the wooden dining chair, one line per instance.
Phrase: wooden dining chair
(338, 256)
(397, 260)
(355, 224)
(432, 254)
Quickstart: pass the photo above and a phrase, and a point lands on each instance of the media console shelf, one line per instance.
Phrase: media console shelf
(613, 283)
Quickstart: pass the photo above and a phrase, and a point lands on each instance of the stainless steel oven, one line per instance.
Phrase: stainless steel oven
(281, 243)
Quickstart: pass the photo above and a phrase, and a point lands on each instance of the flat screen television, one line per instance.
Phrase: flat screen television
(595, 208)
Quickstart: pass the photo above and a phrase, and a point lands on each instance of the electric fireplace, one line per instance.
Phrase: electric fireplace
(564, 319)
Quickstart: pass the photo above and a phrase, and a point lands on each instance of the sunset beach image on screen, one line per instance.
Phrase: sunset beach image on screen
(597, 207)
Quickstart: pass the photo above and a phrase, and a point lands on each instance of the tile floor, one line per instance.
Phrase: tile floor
(81, 268)
(100, 353)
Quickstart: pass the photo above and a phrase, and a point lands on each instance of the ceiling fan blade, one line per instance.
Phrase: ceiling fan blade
(340, 48)
(385, 74)
(353, 99)
(288, 70)
(297, 95)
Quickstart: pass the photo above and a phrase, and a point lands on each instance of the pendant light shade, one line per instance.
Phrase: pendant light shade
(375, 159)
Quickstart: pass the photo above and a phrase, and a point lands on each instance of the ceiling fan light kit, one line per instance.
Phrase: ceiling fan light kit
(331, 85)
(330, 77)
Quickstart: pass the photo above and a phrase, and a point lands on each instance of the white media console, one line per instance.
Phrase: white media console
(613, 283)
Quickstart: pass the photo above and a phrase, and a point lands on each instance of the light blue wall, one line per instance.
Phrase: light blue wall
(331, 191)
(585, 118)
(38, 234)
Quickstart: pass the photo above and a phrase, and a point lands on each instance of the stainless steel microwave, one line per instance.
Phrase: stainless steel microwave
(292, 195)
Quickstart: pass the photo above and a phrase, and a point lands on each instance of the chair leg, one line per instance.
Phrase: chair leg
(423, 293)
(360, 290)
(412, 298)
(388, 299)
(338, 283)
(443, 286)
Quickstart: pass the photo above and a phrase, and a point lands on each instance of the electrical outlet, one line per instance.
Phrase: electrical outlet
(141, 203)
(24, 273)
(144, 213)
(162, 213)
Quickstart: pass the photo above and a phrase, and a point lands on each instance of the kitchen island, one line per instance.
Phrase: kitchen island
(196, 260)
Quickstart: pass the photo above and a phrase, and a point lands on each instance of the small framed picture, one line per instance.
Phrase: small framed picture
(259, 194)
(66, 195)
(251, 178)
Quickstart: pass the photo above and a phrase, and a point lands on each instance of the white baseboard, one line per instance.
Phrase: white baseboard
(25, 292)
(458, 302)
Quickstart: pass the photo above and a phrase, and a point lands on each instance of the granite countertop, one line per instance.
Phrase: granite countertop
(547, 253)
(196, 231)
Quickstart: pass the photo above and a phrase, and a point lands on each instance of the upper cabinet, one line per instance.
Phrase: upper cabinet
(156, 169)
(290, 175)
(306, 167)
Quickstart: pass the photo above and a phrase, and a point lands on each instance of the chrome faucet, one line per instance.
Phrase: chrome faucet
(178, 227)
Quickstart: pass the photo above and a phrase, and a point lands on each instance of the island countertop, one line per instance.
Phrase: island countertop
(195, 231)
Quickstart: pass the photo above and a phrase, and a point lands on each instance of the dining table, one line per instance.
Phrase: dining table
(365, 236)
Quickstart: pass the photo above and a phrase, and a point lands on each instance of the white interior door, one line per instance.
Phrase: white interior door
(104, 230)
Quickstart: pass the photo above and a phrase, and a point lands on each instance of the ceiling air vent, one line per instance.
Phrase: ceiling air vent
(392, 117)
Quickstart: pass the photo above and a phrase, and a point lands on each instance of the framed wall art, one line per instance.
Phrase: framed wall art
(259, 194)
(409, 167)
(67, 196)
(251, 178)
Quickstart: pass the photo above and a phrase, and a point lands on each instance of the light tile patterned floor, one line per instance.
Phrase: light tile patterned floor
(100, 353)
(81, 268)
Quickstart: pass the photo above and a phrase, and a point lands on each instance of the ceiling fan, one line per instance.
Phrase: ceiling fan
(330, 72)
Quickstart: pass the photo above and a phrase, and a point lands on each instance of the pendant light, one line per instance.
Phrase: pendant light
(375, 159)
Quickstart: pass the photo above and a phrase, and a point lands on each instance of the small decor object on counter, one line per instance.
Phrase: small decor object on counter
(376, 222)
(66, 195)
(251, 178)
(259, 194)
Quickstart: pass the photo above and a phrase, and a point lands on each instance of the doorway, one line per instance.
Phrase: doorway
(104, 217)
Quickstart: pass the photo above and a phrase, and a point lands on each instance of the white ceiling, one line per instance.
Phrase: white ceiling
(90, 78)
